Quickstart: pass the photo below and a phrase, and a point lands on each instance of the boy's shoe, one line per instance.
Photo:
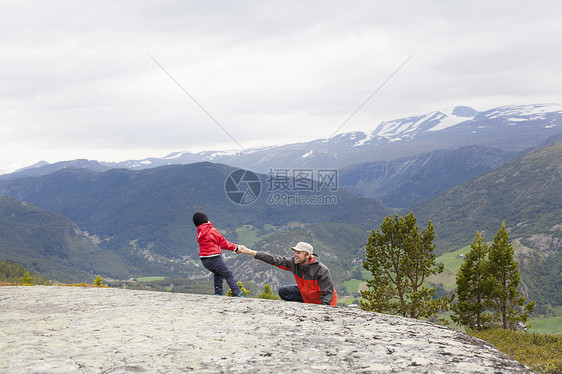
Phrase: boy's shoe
(240, 294)
(218, 294)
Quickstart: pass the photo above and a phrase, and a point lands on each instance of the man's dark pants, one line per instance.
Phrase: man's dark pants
(217, 266)
(290, 293)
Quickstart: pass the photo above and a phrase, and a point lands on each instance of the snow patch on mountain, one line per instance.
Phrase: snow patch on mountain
(392, 128)
(258, 149)
(7, 170)
(449, 119)
(518, 111)
(174, 155)
(214, 155)
(366, 139)
(405, 128)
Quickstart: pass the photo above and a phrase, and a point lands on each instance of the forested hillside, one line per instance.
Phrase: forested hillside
(13, 273)
(154, 206)
(526, 194)
(51, 245)
(144, 217)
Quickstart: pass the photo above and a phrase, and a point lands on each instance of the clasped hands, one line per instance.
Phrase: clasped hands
(243, 249)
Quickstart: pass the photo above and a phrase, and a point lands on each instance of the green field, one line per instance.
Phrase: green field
(347, 300)
(452, 262)
(150, 279)
(551, 325)
(355, 285)
(269, 228)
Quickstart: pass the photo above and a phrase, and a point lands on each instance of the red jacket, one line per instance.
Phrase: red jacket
(211, 242)
(314, 279)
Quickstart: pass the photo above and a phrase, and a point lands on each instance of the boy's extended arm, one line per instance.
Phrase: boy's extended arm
(221, 240)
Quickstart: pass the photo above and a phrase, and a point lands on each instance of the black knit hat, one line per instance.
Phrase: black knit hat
(199, 218)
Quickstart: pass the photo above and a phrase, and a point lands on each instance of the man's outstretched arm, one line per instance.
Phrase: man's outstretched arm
(284, 263)
(243, 249)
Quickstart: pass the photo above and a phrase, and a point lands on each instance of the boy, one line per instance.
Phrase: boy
(211, 244)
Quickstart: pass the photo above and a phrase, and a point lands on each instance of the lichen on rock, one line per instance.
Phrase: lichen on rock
(93, 330)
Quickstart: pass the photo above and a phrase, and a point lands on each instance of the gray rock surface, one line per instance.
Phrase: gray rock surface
(101, 330)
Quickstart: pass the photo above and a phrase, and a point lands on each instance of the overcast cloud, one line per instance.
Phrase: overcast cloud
(77, 81)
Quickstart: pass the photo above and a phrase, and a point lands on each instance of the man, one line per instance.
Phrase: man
(314, 282)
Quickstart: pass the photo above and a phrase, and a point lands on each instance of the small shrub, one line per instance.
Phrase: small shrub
(26, 279)
(541, 352)
(76, 285)
(246, 292)
(267, 293)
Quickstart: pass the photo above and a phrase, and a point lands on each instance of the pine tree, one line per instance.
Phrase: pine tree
(267, 293)
(400, 259)
(98, 281)
(26, 279)
(507, 303)
(474, 286)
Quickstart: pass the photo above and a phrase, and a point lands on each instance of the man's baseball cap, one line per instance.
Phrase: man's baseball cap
(302, 247)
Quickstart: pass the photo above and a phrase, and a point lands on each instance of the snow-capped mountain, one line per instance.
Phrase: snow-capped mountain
(408, 128)
(444, 129)
(511, 128)
(405, 129)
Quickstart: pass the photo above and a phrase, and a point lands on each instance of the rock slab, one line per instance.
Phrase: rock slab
(103, 330)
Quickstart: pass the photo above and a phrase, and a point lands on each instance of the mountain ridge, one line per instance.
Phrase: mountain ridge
(450, 128)
(404, 182)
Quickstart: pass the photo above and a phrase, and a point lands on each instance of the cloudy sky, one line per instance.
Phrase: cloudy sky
(78, 79)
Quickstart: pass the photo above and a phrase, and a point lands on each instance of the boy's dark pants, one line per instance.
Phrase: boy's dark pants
(217, 266)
